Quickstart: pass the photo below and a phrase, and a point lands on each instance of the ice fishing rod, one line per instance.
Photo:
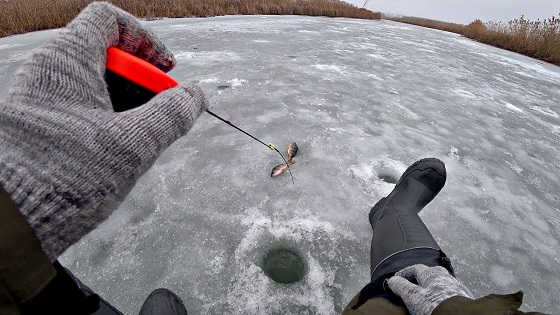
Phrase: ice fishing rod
(133, 81)
(270, 145)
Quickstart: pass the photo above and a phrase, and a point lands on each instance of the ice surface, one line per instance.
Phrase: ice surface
(363, 99)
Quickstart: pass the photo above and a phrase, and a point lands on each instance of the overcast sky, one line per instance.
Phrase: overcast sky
(463, 11)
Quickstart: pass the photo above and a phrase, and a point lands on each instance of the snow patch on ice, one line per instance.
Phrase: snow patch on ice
(514, 167)
(235, 83)
(209, 80)
(217, 264)
(403, 109)
(454, 153)
(464, 93)
(318, 279)
(375, 77)
(430, 51)
(180, 26)
(344, 52)
(203, 57)
(469, 42)
(365, 46)
(545, 111)
(269, 116)
(388, 168)
(379, 175)
(513, 107)
(17, 57)
(501, 276)
(531, 64)
(397, 26)
(331, 68)
(478, 222)
(315, 115)
(6, 46)
(308, 32)
(363, 171)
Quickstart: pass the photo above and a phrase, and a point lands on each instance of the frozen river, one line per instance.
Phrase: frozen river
(363, 99)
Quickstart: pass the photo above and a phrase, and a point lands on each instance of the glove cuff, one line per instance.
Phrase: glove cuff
(27, 195)
(53, 215)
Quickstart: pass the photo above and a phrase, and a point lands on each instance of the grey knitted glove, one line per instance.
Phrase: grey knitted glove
(435, 285)
(66, 158)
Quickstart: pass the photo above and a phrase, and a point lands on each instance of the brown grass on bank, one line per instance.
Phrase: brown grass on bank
(538, 39)
(440, 25)
(20, 16)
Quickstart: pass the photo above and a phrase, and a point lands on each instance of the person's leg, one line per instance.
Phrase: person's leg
(394, 219)
(66, 294)
(400, 238)
(159, 302)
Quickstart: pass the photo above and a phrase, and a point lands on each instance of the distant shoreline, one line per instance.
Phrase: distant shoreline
(537, 39)
(17, 17)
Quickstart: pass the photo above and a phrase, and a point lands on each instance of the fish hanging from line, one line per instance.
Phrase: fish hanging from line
(292, 151)
(270, 145)
(280, 169)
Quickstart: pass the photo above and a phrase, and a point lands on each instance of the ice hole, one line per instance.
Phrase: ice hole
(388, 178)
(387, 171)
(284, 265)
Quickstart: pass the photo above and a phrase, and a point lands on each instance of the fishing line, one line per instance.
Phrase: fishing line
(270, 145)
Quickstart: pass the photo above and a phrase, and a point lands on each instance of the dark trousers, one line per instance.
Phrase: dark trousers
(400, 239)
(65, 294)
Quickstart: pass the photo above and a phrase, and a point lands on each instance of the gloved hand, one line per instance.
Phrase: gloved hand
(435, 285)
(66, 158)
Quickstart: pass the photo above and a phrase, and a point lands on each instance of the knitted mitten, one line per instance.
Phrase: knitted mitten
(66, 157)
(435, 285)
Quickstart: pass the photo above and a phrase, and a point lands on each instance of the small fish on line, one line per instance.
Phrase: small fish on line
(280, 169)
(292, 151)
(270, 145)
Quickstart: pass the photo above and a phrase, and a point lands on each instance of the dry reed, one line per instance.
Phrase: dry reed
(539, 39)
(17, 16)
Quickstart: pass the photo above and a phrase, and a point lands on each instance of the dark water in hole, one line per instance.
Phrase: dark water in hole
(388, 179)
(284, 265)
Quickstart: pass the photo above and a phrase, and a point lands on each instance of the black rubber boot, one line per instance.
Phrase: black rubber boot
(163, 302)
(394, 219)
